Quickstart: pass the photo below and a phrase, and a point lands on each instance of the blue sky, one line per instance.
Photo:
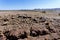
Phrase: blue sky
(28, 4)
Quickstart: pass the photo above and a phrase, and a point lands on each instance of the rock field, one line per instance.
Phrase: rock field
(24, 27)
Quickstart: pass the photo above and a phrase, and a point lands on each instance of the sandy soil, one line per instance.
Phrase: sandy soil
(29, 25)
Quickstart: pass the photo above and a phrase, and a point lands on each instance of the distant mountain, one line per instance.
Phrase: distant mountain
(55, 10)
(49, 9)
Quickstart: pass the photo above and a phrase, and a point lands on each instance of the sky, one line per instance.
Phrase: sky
(28, 4)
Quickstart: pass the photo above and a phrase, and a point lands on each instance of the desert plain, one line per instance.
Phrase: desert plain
(29, 25)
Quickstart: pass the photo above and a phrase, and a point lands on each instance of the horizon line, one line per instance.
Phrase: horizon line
(30, 9)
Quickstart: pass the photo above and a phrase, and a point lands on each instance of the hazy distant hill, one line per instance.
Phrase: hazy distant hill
(54, 10)
(49, 9)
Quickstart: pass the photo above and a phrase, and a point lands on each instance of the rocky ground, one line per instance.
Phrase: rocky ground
(24, 27)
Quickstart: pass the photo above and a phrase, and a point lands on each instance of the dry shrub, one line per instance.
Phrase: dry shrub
(59, 14)
(43, 11)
